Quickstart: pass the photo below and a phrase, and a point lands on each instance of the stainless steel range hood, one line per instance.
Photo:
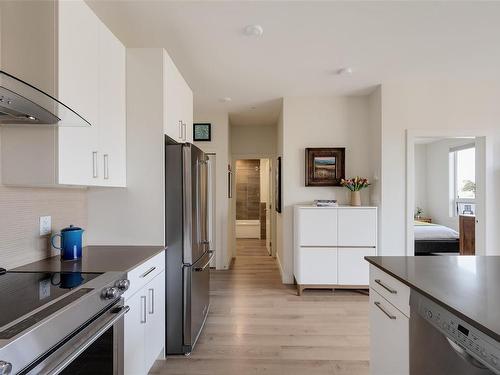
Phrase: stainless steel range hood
(22, 103)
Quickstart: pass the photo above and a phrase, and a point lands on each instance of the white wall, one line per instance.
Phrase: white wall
(135, 215)
(459, 107)
(253, 140)
(421, 178)
(220, 146)
(279, 217)
(326, 121)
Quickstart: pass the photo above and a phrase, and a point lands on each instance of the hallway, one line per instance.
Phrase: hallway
(257, 325)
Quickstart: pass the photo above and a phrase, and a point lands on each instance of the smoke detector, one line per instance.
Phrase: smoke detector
(253, 30)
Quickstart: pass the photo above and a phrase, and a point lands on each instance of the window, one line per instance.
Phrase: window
(463, 178)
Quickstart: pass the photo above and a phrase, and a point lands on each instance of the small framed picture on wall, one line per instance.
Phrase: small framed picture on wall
(324, 166)
(202, 132)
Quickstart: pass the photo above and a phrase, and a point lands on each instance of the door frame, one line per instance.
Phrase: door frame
(213, 226)
(483, 151)
(232, 221)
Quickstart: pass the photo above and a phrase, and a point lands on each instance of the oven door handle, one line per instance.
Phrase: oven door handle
(465, 356)
(77, 344)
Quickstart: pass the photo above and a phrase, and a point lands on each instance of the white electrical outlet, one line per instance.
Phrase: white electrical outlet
(45, 225)
(44, 289)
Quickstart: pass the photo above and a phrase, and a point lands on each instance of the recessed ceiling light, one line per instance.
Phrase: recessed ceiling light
(344, 71)
(225, 99)
(253, 30)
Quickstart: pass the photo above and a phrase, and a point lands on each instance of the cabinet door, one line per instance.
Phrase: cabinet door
(133, 334)
(112, 104)
(318, 227)
(389, 337)
(173, 100)
(78, 86)
(187, 116)
(353, 268)
(357, 227)
(317, 266)
(155, 327)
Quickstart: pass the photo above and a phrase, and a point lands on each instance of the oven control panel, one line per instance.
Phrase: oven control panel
(474, 342)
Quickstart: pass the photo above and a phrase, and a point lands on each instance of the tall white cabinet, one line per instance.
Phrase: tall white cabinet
(83, 65)
(330, 244)
(178, 118)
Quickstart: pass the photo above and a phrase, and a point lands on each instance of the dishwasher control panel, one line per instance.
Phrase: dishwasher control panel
(482, 347)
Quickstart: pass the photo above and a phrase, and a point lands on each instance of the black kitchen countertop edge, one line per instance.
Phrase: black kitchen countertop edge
(439, 301)
(96, 259)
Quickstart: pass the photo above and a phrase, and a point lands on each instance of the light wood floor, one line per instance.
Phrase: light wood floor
(257, 325)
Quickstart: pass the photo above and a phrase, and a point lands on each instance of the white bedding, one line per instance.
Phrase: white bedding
(425, 231)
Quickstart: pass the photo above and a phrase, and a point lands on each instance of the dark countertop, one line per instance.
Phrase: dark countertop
(468, 286)
(96, 259)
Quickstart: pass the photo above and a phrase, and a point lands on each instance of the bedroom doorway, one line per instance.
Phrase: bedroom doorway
(446, 195)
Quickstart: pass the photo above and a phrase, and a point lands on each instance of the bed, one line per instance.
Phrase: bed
(432, 239)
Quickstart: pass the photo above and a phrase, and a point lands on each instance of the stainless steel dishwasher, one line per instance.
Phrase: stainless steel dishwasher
(442, 344)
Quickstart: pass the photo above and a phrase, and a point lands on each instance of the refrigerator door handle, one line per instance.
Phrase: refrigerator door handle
(201, 269)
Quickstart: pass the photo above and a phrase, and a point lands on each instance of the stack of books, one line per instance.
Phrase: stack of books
(325, 203)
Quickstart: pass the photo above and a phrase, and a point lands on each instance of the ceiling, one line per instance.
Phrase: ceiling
(305, 43)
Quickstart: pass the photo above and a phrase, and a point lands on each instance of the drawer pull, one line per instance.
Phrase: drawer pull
(147, 272)
(390, 290)
(379, 305)
(144, 318)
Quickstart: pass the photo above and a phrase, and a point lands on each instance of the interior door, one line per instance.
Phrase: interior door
(269, 210)
(480, 195)
(211, 206)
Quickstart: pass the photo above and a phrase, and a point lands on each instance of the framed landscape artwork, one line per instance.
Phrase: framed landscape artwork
(325, 166)
(202, 132)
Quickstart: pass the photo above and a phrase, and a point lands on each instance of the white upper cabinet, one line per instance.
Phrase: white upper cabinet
(178, 107)
(112, 110)
(78, 78)
(83, 65)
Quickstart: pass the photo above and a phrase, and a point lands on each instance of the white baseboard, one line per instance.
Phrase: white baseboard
(285, 279)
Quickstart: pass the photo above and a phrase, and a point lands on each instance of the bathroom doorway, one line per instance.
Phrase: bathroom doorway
(253, 202)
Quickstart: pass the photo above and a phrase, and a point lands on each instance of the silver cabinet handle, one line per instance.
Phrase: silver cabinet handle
(389, 315)
(184, 131)
(94, 164)
(143, 310)
(180, 129)
(389, 289)
(152, 299)
(147, 272)
(106, 166)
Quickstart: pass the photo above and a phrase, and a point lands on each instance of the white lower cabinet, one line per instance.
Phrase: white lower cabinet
(144, 326)
(155, 320)
(353, 268)
(389, 337)
(318, 265)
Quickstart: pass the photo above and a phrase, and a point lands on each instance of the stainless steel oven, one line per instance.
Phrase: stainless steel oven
(441, 343)
(47, 327)
(97, 348)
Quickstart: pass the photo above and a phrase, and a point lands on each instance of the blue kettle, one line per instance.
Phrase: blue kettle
(71, 243)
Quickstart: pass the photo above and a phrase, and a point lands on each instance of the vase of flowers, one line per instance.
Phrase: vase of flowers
(355, 185)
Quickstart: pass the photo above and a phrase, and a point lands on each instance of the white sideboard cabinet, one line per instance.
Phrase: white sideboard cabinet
(330, 244)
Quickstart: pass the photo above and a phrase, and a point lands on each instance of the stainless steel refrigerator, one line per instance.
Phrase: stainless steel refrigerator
(188, 255)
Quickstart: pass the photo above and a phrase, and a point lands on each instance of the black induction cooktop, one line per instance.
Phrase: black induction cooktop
(23, 293)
